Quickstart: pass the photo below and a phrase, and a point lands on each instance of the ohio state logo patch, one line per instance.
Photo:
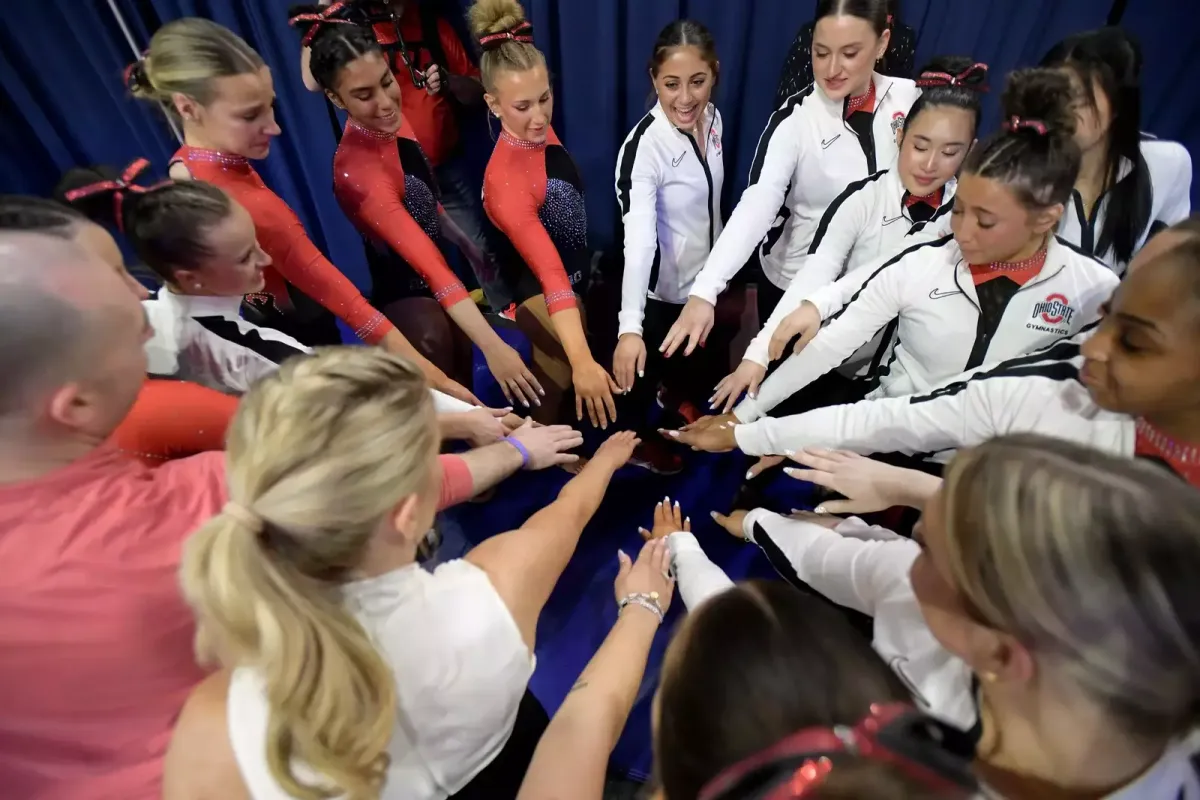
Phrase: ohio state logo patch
(1054, 310)
(714, 142)
(898, 126)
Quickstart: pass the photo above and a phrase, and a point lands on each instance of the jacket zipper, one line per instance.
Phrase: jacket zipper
(707, 175)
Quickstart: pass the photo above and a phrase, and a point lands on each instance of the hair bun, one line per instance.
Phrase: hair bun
(137, 79)
(1043, 96)
(495, 16)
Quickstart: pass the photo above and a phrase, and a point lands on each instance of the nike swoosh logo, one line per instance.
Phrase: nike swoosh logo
(675, 162)
(826, 142)
(938, 295)
(887, 221)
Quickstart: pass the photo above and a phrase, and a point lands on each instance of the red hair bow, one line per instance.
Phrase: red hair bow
(326, 17)
(522, 32)
(118, 187)
(1014, 124)
(929, 79)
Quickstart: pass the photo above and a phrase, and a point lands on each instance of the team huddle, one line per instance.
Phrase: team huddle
(979, 348)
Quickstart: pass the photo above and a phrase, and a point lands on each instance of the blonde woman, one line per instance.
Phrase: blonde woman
(351, 671)
(1065, 579)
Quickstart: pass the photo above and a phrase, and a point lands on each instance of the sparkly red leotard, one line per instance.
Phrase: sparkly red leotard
(385, 186)
(534, 195)
(297, 261)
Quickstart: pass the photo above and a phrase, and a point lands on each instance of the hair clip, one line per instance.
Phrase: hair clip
(522, 33)
(128, 75)
(932, 79)
(118, 187)
(320, 18)
(1015, 123)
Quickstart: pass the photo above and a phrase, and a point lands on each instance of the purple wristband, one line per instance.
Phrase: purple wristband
(520, 449)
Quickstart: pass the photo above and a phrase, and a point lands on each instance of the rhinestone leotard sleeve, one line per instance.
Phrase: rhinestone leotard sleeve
(372, 189)
(514, 193)
(295, 258)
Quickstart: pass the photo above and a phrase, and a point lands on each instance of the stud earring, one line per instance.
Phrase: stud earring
(990, 677)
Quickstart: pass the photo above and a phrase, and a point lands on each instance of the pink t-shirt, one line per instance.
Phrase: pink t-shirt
(96, 654)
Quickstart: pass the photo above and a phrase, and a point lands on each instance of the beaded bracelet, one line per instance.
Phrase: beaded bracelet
(646, 601)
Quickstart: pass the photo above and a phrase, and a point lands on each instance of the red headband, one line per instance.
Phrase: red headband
(1014, 124)
(863, 740)
(118, 187)
(325, 17)
(522, 32)
(930, 79)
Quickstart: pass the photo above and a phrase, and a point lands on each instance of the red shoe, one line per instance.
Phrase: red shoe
(689, 412)
(656, 456)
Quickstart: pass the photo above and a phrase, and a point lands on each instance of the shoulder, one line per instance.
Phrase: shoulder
(864, 188)
(902, 91)
(798, 104)
(1081, 260)
(934, 253)
(1168, 162)
(200, 478)
(641, 133)
(455, 614)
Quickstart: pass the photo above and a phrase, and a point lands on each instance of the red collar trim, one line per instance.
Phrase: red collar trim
(865, 103)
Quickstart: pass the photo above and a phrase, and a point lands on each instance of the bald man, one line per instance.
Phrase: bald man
(96, 641)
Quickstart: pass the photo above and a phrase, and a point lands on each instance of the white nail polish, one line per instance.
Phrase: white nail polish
(819, 510)
(750, 475)
(789, 453)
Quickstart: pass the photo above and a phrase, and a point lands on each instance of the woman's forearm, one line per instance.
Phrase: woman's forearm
(568, 325)
(470, 320)
(572, 756)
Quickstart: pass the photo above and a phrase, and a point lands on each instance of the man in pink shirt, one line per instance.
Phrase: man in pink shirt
(95, 639)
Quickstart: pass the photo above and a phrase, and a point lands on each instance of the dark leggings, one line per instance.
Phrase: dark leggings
(430, 330)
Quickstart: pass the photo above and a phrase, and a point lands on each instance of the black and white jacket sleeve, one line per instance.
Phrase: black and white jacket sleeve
(837, 233)
(771, 177)
(637, 195)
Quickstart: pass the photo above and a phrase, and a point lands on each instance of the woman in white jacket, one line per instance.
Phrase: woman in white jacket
(1003, 285)
(879, 216)
(1130, 386)
(841, 129)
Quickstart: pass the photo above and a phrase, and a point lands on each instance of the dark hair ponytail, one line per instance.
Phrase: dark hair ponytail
(1110, 59)
(336, 37)
(955, 81)
(165, 224)
(685, 33)
(1034, 152)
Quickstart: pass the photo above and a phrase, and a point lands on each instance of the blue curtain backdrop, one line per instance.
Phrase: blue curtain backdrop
(62, 102)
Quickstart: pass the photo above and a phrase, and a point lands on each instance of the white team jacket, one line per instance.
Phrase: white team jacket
(204, 340)
(860, 567)
(1170, 169)
(1040, 393)
(670, 200)
(940, 329)
(866, 224)
(806, 158)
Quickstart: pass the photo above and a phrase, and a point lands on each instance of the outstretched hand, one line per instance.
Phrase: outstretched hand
(868, 485)
(707, 434)
(692, 327)
(548, 445)
(616, 450)
(668, 519)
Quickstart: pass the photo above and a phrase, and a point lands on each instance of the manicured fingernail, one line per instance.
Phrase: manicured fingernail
(673, 434)
(641, 374)
(820, 510)
(687, 520)
(712, 514)
(542, 392)
(676, 505)
(753, 395)
(789, 453)
(789, 471)
(666, 500)
(750, 475)
(621, 554)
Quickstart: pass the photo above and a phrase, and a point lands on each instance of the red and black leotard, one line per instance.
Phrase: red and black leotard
(534, 195)
(296, 260)
(384, 184)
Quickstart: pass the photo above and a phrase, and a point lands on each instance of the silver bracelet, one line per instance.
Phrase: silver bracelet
(646, 601)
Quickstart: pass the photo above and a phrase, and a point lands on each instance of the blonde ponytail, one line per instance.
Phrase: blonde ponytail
(185, 57)
(318, 455)
(489, 17)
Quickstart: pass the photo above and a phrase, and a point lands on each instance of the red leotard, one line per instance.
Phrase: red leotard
(297, 261)
(534, 195)
(385, 186)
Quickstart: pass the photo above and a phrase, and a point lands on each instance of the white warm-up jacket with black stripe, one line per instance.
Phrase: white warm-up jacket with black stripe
(941, 329)
(805, 159)
(204, 340)
(867, 223)
(1040, 393)
(670, 199)
(857, 566)
(1170, 169)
